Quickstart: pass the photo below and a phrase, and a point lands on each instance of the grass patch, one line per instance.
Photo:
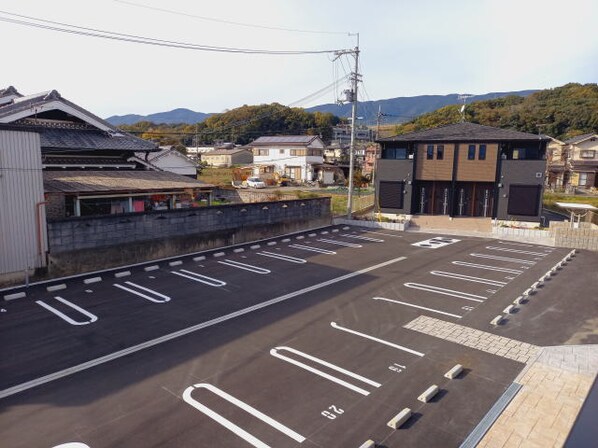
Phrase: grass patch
(550, 199)
(216, 176)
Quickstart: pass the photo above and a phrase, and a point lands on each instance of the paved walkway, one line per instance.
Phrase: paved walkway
(470, 337)
(555, 382)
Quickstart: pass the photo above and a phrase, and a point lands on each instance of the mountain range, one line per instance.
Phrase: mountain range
(394, 110)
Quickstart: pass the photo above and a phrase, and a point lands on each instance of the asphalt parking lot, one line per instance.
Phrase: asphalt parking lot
(294, 341)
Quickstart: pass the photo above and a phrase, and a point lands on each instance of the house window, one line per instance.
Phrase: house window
(281, 151)
(583, 179)
(482, 152)
(430, 152)
(261, 152)
(440, 152)
(298, 152)
(471, 152)
(587, 154)
(390, 194)
(524, 200)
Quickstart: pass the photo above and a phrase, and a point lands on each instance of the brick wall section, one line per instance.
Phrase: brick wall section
(100, 231)
(55, 206)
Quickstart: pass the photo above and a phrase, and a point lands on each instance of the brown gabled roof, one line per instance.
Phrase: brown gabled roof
(469, 132)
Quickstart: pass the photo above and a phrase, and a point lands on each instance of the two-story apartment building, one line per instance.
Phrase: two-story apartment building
(574, 162)
(294, 156)
(463, 169)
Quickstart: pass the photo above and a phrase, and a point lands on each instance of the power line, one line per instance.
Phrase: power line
(50, 25)
(227, 22)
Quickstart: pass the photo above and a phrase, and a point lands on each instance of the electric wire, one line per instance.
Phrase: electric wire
(28, 21)
(228, 22)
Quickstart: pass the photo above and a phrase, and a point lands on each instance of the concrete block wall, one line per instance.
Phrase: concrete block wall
(89, 243)
(584, 237)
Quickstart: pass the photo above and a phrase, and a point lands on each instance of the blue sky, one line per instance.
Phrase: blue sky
(407, 48)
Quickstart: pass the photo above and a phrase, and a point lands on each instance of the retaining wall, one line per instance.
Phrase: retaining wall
(90, 243)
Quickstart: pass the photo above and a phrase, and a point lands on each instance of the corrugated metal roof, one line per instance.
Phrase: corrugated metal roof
(117, 181)
(284, 140)
(465, 132)
(91, 140)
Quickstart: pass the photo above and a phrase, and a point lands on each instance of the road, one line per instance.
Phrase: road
(294, 341)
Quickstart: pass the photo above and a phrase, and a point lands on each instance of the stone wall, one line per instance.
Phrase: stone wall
(583, 237)
(238, 196)
(89, 243)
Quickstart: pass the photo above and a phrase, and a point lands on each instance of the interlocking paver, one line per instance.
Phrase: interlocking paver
(470, 337)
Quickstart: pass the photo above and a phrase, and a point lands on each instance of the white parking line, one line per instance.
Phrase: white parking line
(383, 233)
(92, 317)
(274, 352)
(515, 244)
(151, 291)
(507, 259)
(339, 243)
(432, 310)
(185, 331)
(245, 267)
(517, 251)
(446, 292)
(365, 238)
(468, 278)
(372, 338)
(488, 267)
(242, 405)
(313, 249)
(200, 278)
(282, 257)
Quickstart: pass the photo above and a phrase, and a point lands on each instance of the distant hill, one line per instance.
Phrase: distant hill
(172, 117)
(401, 109)
(396, 110)
(562, 112)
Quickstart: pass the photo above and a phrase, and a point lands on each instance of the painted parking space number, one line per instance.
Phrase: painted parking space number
(396, 368)
(332, 412)
(467, 308)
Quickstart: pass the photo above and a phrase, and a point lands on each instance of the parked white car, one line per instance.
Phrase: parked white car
(255, 182)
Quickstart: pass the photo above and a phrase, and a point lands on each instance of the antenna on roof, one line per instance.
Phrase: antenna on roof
(463, 97)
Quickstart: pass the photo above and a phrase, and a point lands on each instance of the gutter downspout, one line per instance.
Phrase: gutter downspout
(38, 219)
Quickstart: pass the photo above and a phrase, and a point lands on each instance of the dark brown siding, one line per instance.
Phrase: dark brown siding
(434, 169)
(477, 170)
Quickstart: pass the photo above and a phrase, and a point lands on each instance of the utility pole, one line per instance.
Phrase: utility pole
(355, 78)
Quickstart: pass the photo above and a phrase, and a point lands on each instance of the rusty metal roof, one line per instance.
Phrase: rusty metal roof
(117, 181)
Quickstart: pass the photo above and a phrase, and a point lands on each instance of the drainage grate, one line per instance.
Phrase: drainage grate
(478, 432)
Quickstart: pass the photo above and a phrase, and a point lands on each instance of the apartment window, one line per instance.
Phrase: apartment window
(587, 154)
(430, 152)
(394, 153)
(524, 200)
(390, 194)
(583, 179)
(482, 152)
(440, 152)
(471, 152)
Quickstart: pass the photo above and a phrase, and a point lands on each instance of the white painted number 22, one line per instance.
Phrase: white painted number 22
(332, 412)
